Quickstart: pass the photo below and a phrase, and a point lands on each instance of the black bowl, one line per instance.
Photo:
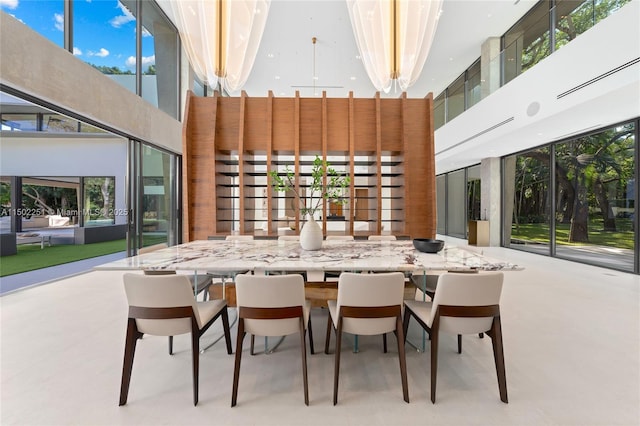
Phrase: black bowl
(428, 245)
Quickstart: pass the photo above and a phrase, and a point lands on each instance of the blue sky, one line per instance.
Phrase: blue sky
(104, 30)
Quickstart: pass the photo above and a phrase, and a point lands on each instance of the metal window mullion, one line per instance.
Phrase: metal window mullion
(138, 48)
(636, 219)
(552, 194)
(552, 26)
(68, 25)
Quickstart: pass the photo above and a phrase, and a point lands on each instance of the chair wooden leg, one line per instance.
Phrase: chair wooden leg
(459, 343)
(327, 339)
(434, 361)
(336, 373)
(498, 355)
(127, 365)
(405, 322)
(403, 359)
(170, 345)
(236, 368)
(310, 329)
(253, 344)
(227, 331)
(303, 349)
(195, 350)
(384, 343)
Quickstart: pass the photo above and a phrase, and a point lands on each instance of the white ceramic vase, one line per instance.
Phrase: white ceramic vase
(311, 235)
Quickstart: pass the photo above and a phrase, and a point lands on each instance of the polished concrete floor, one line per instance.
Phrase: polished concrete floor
(571, 335)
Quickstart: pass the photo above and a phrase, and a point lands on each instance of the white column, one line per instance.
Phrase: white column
(490, 197)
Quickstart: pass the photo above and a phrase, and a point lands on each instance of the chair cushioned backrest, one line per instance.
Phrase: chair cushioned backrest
(382, 238)
(480, 289)
(339, 237)
(270, 291)
(161, 291)
(386, 289)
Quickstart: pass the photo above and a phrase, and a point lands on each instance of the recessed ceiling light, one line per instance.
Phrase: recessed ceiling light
(451, 59)
(270, 55)
(315, 77)
(352, 78)
(277, 77)
(358, 57)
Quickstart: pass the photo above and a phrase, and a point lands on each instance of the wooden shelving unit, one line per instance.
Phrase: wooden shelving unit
(385, 146)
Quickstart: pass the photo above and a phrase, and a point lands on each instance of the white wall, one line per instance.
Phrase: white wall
(52, 156)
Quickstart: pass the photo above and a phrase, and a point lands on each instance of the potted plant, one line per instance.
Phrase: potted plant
(333, 191)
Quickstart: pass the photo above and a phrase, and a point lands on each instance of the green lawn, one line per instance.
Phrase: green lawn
(31, 256)
(539, 232)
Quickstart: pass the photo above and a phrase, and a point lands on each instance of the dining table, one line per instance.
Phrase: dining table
(227, 258)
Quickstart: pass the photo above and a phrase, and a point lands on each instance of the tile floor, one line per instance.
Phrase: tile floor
(571, 335)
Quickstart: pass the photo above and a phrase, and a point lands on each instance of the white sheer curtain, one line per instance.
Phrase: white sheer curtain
(373, 27)
(243, 23)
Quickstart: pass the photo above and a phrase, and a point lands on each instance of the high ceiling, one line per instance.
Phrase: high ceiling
(285, 59)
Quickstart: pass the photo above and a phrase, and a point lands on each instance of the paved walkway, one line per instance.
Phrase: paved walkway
(46, 275)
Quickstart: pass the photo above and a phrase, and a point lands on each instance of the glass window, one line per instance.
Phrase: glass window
(104, 35)
(56, 123)
(474, 93)
(473, 194)
(44, 17)
(527, 42)
(159, 60)
(20, 122)
(527, 200)
(455, 98)
(441, 188)
(157, 202)
(438, 111)
(594, 217)
(99, 200)
(456, 195)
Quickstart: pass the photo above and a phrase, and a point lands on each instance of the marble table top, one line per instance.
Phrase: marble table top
(335, 255)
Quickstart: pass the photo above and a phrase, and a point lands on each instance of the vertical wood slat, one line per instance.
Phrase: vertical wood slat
(379, 164)
(352, 188)
(296, 148)
(324, 157)
(269, 167)
(186, 172)
(243, 100)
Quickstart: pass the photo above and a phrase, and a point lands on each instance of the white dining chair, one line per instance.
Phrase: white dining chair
(381, 238)
(339, 237)
(463, 304)
(368, 304)
(200, 283)
(165, 306)
(272, 306)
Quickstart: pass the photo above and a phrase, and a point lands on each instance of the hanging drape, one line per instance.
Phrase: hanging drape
(221, 37)
(394, 38)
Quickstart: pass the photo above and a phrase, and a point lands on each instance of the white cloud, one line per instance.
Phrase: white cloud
(59, 21)
(102, 53)
(77, 52)
(10, 4)
(146, 61)
(126, 16)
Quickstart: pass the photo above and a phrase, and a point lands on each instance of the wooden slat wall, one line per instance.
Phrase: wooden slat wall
(297, 126)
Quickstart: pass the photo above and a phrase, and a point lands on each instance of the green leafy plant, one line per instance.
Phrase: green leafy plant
(334, 189)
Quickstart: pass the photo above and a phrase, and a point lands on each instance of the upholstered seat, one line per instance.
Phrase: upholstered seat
(164, 305)
(272, 305)
(367, 304)
(463, 304)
